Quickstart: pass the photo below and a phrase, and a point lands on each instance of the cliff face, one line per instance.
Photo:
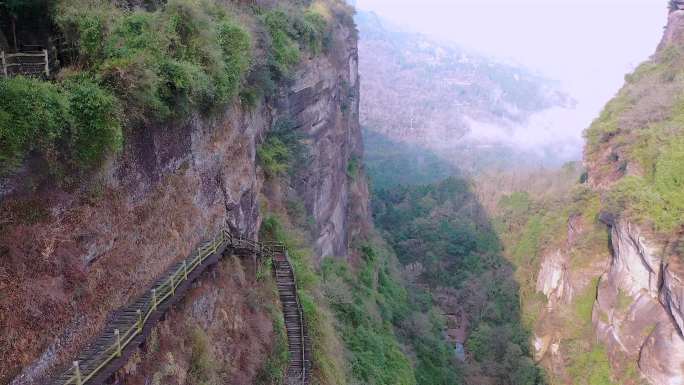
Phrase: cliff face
(71, 257)
(633, 158)
(637, 311)
(324, 102)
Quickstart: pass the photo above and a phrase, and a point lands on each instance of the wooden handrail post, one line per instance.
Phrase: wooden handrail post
(154, 299)
(118, 342)
(47, 63)
(4, 63)
(140, 321)
(185, 270)
(173, 284)
(77, 371)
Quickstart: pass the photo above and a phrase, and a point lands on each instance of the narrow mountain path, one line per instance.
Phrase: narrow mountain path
(299, 344)
(128, 327)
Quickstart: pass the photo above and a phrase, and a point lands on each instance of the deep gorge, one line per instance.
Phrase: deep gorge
(160, 123)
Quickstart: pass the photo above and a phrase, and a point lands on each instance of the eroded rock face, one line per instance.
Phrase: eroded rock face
(172, 187)
(560, 279)
(662, 356)
(637, 313)
(672, 293)
(324, 102)
(554, 278)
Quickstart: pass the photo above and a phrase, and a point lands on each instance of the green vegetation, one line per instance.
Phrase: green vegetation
(292, 32)
(274, 156)
(282, 151)
(642, 128)
(442, 227)
(583, 306)
(659, 197)
(273, 370)
(451, 247)
(158, 64)
(375, 316)
(285, 48)
(152, 64)
(533, 224)
(353, 167)
(202, 364)
(75, 123)
(185, 55)
(378, 315)
(591, 368)
(589, 363)
(95, 129)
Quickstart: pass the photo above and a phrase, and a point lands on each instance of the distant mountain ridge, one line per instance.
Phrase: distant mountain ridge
(435, 94)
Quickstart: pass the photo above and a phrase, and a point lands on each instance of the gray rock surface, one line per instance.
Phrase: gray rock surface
(638, 308)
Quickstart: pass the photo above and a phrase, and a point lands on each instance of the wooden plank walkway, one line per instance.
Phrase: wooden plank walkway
(129, 326)
(299, 343)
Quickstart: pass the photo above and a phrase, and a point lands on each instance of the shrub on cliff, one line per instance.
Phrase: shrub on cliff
(95, 129)
(76, 122)
(186, 55)
(31, 119)
(282, 151)
(290, 34)
(284, 49)
(274, 156)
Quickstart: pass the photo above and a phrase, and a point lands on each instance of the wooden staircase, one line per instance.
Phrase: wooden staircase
(299, 344)
(128, 327)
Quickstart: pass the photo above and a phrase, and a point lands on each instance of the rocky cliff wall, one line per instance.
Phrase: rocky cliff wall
(636, 312)
(71, 256)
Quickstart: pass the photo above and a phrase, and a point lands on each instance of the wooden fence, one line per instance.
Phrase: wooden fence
(130, 321)
(29, 63)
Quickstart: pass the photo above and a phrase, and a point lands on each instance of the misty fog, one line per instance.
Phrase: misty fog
(586, 46)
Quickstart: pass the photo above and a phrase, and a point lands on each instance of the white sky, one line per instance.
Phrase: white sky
(588, 45)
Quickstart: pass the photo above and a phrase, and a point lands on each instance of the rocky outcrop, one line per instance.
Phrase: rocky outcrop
(672, 293)
(554, 278)
(560, 279)
(324, 103)
(85, 252)
(637, 312)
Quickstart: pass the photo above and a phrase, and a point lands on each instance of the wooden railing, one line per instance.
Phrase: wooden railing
(134, 318)
(302, 329)
(30, 63)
